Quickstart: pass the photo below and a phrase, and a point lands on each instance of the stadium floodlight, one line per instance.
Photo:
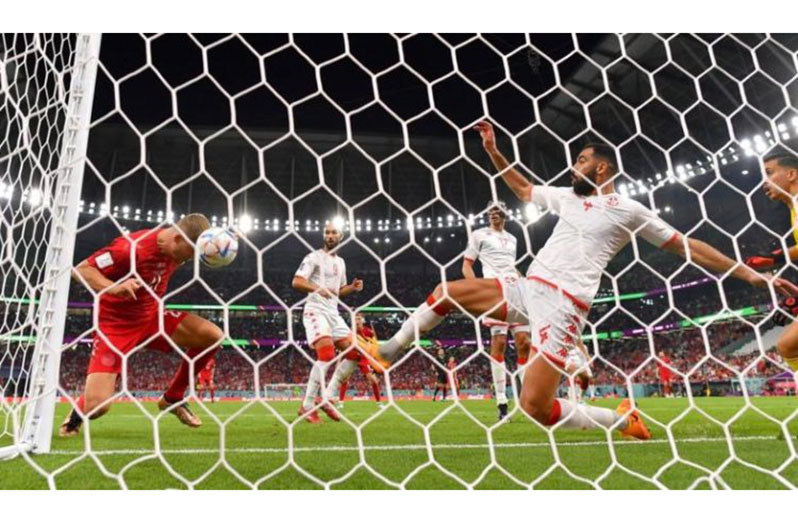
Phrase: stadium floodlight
(36, 197)
(532, 212)
(245, 223)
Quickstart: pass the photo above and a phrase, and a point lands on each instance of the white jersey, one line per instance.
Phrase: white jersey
(589, 233)
(496, 250)
(327, 271)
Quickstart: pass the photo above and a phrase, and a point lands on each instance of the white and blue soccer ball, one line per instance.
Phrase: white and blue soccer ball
(217, 247)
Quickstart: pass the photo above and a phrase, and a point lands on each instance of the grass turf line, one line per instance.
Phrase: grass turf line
(254, 444)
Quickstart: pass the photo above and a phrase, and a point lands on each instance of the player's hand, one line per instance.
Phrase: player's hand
(782, 286)
(485, 130)
(325, 293)
(127, 289)
(357, 285)
(766, 261)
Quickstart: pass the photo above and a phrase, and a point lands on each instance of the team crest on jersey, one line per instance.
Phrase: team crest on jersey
(613, 201)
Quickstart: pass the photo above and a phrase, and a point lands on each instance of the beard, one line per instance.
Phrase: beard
(583, 186)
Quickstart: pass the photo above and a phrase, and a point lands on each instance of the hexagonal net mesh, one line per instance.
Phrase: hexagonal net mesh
(275, 136)
(35, 72)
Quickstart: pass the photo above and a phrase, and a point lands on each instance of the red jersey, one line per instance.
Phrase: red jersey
(206, 373)
(152, 266)
(367, 332)
(665, 373)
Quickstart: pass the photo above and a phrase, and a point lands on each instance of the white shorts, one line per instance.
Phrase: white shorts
(500, 328)
(556, 319)
(320, 324)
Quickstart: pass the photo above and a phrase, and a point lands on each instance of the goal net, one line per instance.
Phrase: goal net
(275, 135)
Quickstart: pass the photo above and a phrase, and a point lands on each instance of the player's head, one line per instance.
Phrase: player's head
(179, 240)
(595, 164)
(451, 359)
(359, 321)
(333, 233)
(441, 352)
(497, 213)
(781, 175)
(661, 354)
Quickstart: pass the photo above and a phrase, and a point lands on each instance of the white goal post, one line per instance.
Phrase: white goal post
(60, 196)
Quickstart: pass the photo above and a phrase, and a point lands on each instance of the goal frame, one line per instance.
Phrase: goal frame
(35, 433)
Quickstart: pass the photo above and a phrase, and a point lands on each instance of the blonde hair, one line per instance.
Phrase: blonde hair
(192, 225)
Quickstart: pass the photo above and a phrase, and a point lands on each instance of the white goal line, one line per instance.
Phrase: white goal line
(444, 446)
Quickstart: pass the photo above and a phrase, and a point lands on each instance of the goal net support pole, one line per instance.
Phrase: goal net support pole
(36, 432)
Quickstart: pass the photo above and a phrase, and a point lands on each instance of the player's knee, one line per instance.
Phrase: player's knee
(786, 347)
(212, 335)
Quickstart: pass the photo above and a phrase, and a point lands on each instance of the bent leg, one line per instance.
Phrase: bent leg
(201, 339)
(477, 297)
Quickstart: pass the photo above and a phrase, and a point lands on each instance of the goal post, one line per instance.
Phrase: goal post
(61, 193)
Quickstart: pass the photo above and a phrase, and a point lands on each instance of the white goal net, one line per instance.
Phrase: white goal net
(275, 135)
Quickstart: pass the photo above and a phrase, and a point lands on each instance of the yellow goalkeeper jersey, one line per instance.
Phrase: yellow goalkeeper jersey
(792, 224)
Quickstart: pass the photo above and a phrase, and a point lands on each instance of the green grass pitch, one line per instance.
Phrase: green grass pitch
(394, 446)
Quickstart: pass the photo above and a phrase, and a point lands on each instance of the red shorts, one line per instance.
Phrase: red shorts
(364, 365)
(126, 336)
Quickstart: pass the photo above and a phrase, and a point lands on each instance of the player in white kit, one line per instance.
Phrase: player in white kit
(495, 248)
(322, 275)
(594, 224)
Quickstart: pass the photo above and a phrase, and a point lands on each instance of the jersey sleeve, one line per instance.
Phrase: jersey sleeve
(343, 273)
(472, 250)
(307, 266)
(113, 260)
(651, 227)
(548, 197)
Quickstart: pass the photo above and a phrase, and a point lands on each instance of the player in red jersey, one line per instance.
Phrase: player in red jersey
(665, 375)
(129, 282)
(205, 379)
(365, 335)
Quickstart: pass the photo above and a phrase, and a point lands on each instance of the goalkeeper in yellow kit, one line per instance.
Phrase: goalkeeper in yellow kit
(781, 183)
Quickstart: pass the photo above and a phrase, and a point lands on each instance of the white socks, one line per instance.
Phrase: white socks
(586, 417)
(342, 372)
(314, 383)
(426, 319)
(499, 381)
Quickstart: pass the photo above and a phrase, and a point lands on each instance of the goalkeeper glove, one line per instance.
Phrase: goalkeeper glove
(766, 261)
(788, 305)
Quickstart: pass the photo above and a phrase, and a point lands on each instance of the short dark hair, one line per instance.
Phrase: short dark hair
(605, 152)
(784, 160)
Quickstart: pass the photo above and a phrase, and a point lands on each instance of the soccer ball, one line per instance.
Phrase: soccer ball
(217, 247)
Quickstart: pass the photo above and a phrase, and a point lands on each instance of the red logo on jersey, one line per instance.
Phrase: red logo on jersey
(612, 201)
(588, 205)
(544, 334)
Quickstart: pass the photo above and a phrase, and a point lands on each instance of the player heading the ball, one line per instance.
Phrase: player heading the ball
(131, 275)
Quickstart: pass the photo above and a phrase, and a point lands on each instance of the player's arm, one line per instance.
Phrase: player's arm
(98, 282)
(710, 258)
(302, 284)
(468, 269)
(355, 286)
(517, 182)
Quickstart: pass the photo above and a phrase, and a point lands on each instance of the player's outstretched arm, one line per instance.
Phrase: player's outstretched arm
(516, 181)
(98, 282)
(710, 258)
(468, 269)
(355, 286)
(308, 287)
